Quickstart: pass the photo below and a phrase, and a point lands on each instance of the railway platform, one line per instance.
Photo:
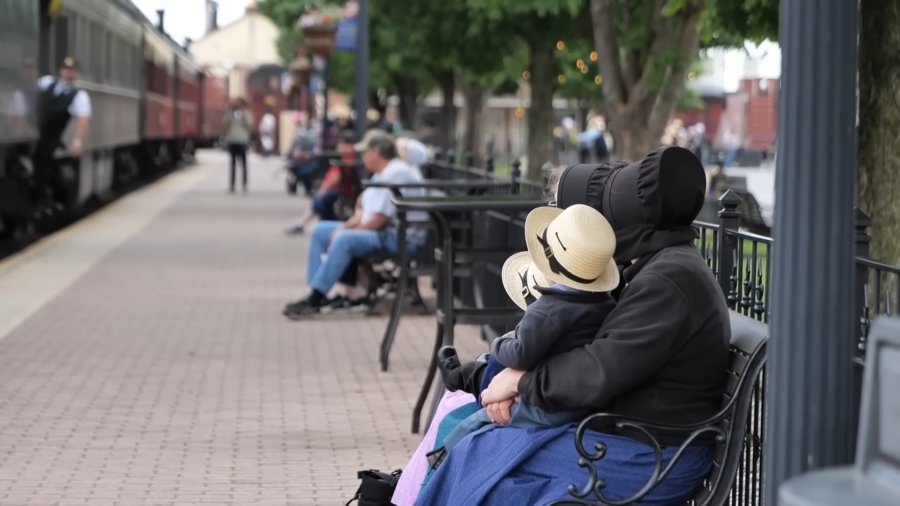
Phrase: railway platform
(144, 359)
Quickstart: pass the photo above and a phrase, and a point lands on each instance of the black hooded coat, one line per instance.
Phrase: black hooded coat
(662, 354)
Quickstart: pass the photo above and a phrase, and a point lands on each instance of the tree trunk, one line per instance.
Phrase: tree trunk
(408, 93)
(638, 107)
(540, 113)
(632, 133)
(879, 125)
(473, 138)
(447, 125)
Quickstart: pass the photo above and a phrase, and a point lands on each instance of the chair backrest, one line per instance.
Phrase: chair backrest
(878, 443)
(743, 395)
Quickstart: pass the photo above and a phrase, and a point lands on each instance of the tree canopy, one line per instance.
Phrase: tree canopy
(629, 56)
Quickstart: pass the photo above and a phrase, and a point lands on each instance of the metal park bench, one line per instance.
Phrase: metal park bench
(734, 444)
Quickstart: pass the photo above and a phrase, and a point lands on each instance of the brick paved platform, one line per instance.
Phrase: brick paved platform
(144, 359)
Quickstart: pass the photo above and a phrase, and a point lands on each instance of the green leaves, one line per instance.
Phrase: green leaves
(486, 41)
(284, 13)
(502, 9)
(730, 22)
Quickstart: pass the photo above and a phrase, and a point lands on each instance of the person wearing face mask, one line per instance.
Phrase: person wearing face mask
(661, 356)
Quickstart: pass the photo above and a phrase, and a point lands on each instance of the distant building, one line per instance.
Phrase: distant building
(236, 49)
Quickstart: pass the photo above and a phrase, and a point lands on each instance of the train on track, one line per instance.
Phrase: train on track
(152, 105)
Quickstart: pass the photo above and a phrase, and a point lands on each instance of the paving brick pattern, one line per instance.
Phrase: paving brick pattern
(166, 375)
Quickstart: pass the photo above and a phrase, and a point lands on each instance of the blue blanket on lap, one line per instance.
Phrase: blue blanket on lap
(500, 466)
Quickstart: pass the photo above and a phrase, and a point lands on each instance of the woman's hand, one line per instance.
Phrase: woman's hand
(500, 395)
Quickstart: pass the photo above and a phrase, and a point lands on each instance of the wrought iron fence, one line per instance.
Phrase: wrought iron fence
(741, 262)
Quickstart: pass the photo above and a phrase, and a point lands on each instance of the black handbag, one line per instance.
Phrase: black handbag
(375, 488)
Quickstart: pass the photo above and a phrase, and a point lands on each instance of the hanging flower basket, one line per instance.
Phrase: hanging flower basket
(319, 26)
(319, 39)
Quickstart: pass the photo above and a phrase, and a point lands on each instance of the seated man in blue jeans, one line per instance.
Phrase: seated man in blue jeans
(334, 244)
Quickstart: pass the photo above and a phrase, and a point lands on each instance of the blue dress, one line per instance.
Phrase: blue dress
(511, 466)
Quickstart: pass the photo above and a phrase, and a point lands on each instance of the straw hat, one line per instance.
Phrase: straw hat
(520, 278)
(573, 247)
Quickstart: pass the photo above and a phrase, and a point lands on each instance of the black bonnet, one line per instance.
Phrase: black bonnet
(584, 184)
(665, 189)
(652, 203)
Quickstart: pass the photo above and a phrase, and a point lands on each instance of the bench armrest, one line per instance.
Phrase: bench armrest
(596, 484)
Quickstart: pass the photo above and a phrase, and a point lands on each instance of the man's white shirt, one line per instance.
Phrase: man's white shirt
(380, 200)
(81, 104)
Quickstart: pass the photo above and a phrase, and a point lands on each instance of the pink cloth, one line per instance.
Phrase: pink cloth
(414, 472)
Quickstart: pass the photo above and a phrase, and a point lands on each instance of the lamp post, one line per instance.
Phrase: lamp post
(300, 73)
(319, 38)
(361, 90)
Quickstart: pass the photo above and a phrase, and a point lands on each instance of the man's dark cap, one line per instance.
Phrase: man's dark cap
(374, 138)
(69, 63)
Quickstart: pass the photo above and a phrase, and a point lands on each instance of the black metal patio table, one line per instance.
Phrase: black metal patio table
(438, 208)
(436, 188)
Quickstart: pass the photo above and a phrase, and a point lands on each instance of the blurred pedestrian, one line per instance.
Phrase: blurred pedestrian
(267, 133)
(300, 158)
(237, 125)
(329, 191)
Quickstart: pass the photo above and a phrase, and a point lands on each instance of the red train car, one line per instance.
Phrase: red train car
(213, 99)
(187, 103)
(159, 68)
(151, 103)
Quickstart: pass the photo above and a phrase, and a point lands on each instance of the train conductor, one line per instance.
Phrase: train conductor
(60, 100)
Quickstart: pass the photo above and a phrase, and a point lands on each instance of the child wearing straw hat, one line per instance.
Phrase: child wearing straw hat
(563, 283)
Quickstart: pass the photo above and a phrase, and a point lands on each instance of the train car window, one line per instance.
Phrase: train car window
(98, 52)
(77, 49)
(109, 63)
(128, 65)
(114, 43)
(91, 50)
(121, 68)
(136, 68)
(82, 47)
(126, 61)
(149, 72)
(60, 39)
